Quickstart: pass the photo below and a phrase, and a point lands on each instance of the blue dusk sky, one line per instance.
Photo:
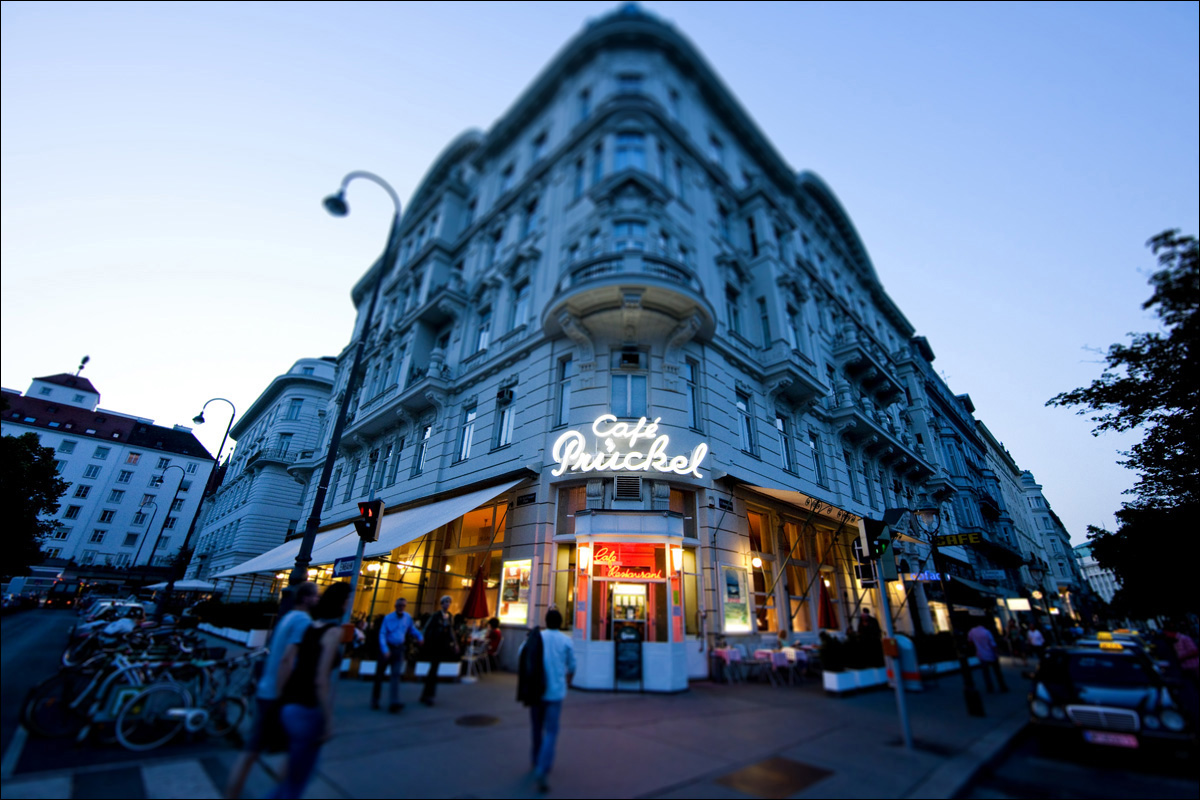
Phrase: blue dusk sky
(163, 167)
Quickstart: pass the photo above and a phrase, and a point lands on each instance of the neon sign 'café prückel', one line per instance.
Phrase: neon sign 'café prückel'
(629, 363)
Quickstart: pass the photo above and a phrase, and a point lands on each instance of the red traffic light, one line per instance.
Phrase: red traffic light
(367, 523)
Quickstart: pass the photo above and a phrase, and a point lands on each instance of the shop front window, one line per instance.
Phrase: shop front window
(629, 588)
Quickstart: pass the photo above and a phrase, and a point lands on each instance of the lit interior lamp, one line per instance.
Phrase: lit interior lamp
(447, 568)
(677, 558)
(756, 562)
(584, 556)
(373, 566)
(827, 583)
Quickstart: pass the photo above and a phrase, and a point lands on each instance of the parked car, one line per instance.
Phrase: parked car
(1107, 696)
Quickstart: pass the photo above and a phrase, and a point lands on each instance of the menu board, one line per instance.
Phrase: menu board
(514, 592)
(628, 652)
(735, 602)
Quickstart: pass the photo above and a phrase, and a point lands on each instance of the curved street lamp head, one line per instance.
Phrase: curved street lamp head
(930, 519)
(336, 205)
(199, 418)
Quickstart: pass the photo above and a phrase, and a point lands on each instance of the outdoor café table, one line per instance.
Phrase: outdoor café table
(729, 659)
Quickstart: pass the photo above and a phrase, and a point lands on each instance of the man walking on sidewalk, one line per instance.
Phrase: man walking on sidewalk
(393, 638)
(544, 689)
(989, 659)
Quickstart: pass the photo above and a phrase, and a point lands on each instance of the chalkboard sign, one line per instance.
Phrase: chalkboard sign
(628, 646)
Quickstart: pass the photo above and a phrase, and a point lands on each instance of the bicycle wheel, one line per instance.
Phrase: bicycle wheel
(225, 714)
(47, 708)
(152, 717)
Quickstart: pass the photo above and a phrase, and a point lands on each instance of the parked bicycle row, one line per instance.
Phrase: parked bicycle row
(141, 688)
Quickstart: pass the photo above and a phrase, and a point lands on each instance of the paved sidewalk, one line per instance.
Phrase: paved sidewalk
(715, 741)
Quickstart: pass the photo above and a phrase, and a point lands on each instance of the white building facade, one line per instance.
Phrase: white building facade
(258, 504)
(631, 364)
(134, 486)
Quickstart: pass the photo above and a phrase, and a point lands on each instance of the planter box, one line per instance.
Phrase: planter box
(853, 680)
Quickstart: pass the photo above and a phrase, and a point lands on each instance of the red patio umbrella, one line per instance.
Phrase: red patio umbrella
(476, 606)
(827, 614)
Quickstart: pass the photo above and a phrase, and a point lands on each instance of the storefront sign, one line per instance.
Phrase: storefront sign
(637, 573)
(619, 440)
(734, 602)
(991, 574)
(924, 577)
(955, 539)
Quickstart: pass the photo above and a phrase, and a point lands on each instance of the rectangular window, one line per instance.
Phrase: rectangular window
(506, 178)
(147, 499)
(733, 310)
(190, 469)
(566, 372)
(785, 443)
(716, 150)
(101, 453)
(60, 465)
(177, 504)
(814, 443)
(170, 523)
(745, 423)
(664, 164)
(72, 512)
(81, 491)
(629, 396)
(396, 461)
(483, 329)
(107, 515)
(352, 478)
(62, 532)
(630, 152)
(537, 148)
(133, 458)
(125, 476)
(752, 235)
(467, 434)
(97, 536)
(851, 475)
(67, 446)
(294, 406)
(764, 321)
(53, 552)
(116, 495)
(529, 222)
(504, 424)
(577, 180)
(422, 450)
(597, 163)
(585, 104)
(521, 301)
(331, 496)
(91, 471)
(163, 463)
(139, 518)
(680, 183)
(629, 235)
(691, 380)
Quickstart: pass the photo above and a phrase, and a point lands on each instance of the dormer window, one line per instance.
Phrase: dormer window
(629, 82)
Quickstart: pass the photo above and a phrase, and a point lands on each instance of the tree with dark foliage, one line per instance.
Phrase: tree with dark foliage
(30, 487)
(1152, 385)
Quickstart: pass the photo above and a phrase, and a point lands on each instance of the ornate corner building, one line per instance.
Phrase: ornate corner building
(632, 364)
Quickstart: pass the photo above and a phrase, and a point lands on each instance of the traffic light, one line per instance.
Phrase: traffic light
(876, 537)
(367, 523)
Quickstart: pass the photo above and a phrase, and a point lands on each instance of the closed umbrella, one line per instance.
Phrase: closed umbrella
(476, 606)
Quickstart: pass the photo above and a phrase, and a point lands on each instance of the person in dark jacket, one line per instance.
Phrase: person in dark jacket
(440, 645)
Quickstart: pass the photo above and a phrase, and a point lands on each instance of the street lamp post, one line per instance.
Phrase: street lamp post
(149, 527)
(336, 205)
(177, 569)
(158, 482)
(930, 519)
(1038, 573)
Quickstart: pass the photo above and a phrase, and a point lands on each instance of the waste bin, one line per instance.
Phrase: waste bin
(906, 654)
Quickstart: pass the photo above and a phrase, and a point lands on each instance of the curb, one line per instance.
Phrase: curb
(949, 779)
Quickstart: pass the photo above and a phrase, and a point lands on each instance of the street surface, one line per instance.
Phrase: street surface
(1082, 771)
(717, 740)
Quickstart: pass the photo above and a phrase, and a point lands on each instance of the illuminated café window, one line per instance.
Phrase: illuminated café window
(629, 587)
(564, 583)
(514, 592)
(479, 528)
(735, 600)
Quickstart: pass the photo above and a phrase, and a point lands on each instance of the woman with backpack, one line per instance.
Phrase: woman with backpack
(307, 696)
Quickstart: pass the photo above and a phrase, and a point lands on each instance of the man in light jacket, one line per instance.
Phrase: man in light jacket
(393, 635)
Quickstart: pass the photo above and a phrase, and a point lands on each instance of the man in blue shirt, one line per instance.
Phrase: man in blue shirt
(392, 640)
(267, 729)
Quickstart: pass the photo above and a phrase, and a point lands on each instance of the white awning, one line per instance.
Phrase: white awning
(802, 501)
(395, 530)
(184, 586)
